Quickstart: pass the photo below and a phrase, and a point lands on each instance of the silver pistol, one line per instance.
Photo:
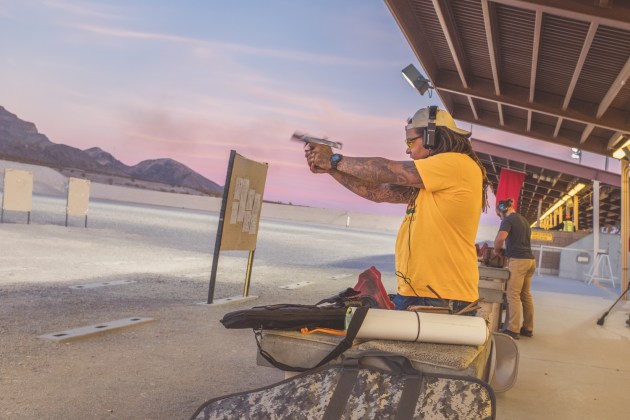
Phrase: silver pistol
(309, 139)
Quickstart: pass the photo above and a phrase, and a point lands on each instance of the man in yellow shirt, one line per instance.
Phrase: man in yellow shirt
(444, 186)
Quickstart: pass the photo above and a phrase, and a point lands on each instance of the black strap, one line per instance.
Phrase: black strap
(413, 388)
(345, 344)
(339, 399)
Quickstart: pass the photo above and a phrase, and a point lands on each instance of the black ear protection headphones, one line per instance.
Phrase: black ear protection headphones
(502, 207)
(429, 140)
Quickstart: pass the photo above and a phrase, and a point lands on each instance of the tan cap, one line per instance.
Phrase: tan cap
(442, 119)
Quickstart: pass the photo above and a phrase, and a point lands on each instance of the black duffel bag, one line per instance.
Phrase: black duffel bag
(327, 313)
(286, 316)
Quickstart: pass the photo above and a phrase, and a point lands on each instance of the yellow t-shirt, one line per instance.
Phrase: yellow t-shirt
(440, 232)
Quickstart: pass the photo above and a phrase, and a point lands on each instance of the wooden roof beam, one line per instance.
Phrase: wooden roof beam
(586, 46)
(587, 132)
(614, 121)
(614, 139)
(494, 168)
(556, 131)
(621, 80)
(451, 39)
(473, 108)
(492, 51)
(535, 50)
(617, 16)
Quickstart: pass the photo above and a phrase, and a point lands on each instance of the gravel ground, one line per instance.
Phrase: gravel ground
(167, 368)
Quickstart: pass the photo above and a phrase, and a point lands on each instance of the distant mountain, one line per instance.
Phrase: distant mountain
(20, 140)
(106, 160)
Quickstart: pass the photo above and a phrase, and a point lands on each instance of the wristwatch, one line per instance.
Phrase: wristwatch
(334, 160)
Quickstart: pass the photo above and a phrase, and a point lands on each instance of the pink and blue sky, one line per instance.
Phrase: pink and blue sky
(192, 80)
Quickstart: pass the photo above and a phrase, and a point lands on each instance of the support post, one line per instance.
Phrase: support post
(595, 219)
(248, 274)
(576, 212)
(217, 244)
(625, 236)
(540, 256)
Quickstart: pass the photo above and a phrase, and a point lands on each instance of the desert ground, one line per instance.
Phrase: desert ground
(166, 368)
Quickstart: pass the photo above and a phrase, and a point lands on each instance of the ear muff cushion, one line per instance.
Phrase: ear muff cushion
(429, 133)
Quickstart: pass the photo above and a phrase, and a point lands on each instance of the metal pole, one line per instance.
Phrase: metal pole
(248, 274)
(217, 244)
(625, 217)
(539, 212)
(576, 212)
(540, 259)
(595, 219)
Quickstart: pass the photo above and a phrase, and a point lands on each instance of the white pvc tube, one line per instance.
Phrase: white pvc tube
(387, 324)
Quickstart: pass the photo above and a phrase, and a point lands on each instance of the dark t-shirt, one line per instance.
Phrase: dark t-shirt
(518, 243)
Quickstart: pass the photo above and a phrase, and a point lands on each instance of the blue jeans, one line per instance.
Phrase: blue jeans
(402, 302)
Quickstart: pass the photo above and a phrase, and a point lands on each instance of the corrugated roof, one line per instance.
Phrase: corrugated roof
(554, 71)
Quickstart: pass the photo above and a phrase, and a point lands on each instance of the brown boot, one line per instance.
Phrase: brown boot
(526, 333)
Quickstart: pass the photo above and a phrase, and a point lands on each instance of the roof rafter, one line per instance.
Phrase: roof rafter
(619, 17)
(451, 38)
(492, 52)
(615, 121)
(535, 51)
(586, 46)
(621, 80)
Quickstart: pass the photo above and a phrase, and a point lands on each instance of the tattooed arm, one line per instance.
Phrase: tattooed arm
(382, 171)
(380, 193)
(375, 179)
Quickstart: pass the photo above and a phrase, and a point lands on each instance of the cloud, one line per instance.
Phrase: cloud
(228, 47)
(82, 8)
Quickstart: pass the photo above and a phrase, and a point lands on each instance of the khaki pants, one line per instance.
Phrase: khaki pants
(520, 302)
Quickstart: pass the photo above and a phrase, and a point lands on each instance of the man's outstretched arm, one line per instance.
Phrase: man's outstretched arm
(376, 179)
(380, 193)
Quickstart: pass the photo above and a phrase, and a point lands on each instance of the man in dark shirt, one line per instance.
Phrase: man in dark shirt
(516, 233)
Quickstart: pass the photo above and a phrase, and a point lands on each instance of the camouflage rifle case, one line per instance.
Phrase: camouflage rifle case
(382, 386)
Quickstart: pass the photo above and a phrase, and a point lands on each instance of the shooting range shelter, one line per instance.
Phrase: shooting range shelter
(240, 213)
(553, 71)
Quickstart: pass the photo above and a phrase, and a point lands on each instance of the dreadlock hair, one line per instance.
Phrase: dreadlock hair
(450, 141)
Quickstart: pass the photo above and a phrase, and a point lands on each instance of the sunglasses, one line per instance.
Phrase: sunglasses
(409, 142)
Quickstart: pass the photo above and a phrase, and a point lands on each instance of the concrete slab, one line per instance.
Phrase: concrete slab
(296, 285)
(92, 330)
(234, 299)
(103, 284)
